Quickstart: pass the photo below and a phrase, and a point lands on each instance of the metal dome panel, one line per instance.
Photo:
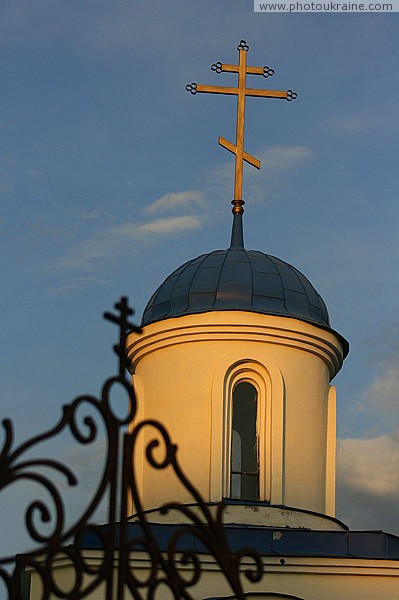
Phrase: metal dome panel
(237, 279)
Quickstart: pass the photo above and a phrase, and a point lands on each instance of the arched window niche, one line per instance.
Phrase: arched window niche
(253, 387)
(244, 447)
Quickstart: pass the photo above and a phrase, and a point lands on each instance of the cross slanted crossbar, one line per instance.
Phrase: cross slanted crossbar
(241, 91)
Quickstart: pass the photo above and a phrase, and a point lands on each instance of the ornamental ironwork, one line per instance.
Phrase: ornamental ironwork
(112, 575)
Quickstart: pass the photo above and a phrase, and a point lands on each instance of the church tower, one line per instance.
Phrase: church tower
(236, 359)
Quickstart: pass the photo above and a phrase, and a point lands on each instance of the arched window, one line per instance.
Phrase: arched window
(244, 454)
(237, 381)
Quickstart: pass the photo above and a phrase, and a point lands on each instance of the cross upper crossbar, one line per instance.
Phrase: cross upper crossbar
(241, 91)
(215, 89)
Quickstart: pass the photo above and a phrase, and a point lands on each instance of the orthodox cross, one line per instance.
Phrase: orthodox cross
(241, 92)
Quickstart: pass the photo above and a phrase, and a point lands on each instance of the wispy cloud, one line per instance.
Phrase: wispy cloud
(351, 124)
(114, 241)
(277, 159)
(189, 200)
(359, 123)
(36, 173)
(7, 159)
(283, 158)
(276, 163)
(371, 466)
(368, 482)
(76, 284)
(110, 243)
(378, 403)
(170, 225)
(383, 391)
(5, 187)
(368, 466)
(94, 215)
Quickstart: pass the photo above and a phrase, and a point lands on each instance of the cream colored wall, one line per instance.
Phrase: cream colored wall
(308, 578)
(311, 579)
(181, 370)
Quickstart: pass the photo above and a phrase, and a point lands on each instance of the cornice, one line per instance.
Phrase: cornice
(237, 326)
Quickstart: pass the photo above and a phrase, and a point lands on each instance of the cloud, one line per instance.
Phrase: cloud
(277, 159)
(115, 241)
(353, 124)
(94, 215)
(276, 163)
(75, 284)
(368, 466)
(270, 184)
(110, 243)
(350, 124)
(378, 403)
(383, 391)
(171, 225)
(127, 28)
(283, 158)
(36, 173)
(371, 466)
(7, 159)
(368, 482)
(188, 200)
(5, 187)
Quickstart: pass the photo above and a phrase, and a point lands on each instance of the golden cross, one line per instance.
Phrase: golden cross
(241, 92)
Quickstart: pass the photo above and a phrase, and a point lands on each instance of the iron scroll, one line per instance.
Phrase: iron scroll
(114, 538)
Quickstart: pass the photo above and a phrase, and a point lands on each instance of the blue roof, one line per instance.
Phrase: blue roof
(292, 542)
(237, 279)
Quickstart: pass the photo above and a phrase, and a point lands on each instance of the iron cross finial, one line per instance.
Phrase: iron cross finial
(125, 327)
(241, 91)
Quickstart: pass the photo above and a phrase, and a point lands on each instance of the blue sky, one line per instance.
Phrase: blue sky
(111, 177)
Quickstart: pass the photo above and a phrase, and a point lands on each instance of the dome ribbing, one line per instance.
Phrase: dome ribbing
(237, 279)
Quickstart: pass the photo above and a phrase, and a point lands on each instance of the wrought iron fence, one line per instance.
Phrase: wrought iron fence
(111, 575)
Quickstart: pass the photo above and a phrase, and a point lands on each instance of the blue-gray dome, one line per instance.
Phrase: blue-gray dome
(237, 279)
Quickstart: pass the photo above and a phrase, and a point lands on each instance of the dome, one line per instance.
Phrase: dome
(237, 279)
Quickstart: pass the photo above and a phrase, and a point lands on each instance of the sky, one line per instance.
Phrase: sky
(111, 177)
